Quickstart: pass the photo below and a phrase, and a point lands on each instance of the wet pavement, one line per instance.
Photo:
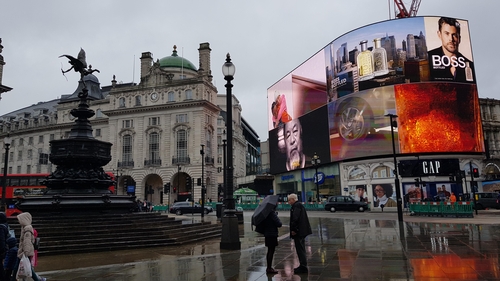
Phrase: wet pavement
(343, 246)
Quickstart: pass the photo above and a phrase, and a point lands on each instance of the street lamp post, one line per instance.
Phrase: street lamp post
(315, 162)
(396, 177)
(6, 142)
(230, 239)
(224, 167)
(202, 152)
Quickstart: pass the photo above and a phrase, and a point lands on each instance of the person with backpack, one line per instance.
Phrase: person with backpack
(270, 227)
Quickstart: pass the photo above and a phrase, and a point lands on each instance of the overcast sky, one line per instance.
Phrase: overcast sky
(266, 40)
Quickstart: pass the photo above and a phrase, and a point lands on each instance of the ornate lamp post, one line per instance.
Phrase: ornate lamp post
(6, 142)
(224, 167)
(315, 162)
(230, 239)
(396, 176)
(202, 152)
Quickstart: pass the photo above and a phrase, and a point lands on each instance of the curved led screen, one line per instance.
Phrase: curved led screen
(420, 69)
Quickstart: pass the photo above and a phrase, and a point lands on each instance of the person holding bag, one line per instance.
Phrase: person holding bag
(26, 248)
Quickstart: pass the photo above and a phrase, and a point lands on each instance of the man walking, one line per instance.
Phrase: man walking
(299, 229)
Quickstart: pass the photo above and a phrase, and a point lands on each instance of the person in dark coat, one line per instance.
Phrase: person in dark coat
(299, 229)
(10, 258)
(271, 224)
(4, 235)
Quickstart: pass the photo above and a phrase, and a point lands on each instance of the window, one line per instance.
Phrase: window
(18, 169)
(97, 132)
(43, 158)
(121, 102)
(30, 140)
(127, 148)
(154, 121)
(137, 100)
(208, 142)
(208, 119)
(40, 139)
(128, 123)
(28, 169)
(181, 118)
(189, 94)
(154, 146)
(20, 155)
(182, 144)
(171, 96)
(11, 156)
(30, 153)
(51, 137)
(21, 141)
(10, 170)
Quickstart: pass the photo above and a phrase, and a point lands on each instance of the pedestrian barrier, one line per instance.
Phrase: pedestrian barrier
(160, 208)
(442, 209)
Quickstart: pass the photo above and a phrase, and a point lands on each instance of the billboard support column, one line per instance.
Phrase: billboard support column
(396, 180)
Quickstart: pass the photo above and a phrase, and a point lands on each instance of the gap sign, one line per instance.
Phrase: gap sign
(428, 167)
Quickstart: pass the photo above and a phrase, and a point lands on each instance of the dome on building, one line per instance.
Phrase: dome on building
(175, 61)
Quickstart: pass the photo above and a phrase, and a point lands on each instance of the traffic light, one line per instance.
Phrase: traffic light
(474, 186)
(125, 183)
(166, 188)
(188, 182)
(475, 172)
(219, 189)
(175, 189)
(198, 181)
(458, 177)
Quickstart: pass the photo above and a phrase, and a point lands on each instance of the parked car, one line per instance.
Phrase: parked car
(345, 203)
(487, 200)
(186, 207)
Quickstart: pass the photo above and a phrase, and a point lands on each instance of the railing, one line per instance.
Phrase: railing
(181, 160)
(125, 164)
(152, 162)
(209, 160)
(442, 209)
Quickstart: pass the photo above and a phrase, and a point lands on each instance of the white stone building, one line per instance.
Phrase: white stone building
(157, 128)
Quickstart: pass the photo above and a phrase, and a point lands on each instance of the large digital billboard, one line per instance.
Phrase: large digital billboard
(419, 68)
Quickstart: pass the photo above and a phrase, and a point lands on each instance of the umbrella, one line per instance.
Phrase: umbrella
(264, 209)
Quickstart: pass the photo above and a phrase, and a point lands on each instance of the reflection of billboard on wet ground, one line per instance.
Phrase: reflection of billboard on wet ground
(419, 68)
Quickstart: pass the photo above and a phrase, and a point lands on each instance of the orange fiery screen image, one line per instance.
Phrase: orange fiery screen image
(438, 117)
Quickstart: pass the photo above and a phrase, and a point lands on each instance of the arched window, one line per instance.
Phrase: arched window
(127, 149)
(137, 100)
(357, 174)
(189, 94)
(121, 102)
(182, 152)
(171, 96)
(154, 147)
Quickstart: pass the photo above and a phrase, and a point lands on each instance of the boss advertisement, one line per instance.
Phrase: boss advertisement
(420, 69)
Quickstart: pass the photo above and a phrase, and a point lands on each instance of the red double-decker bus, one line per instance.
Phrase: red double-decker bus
(27, 185)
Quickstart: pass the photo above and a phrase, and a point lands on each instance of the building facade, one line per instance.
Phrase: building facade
(158, 128)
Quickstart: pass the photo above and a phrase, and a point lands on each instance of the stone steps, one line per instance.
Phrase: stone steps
(93, 233)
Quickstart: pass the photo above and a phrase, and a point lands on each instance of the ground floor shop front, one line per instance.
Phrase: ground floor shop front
(422, 178)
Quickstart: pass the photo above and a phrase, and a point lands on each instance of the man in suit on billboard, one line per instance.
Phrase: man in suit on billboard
(446, 63)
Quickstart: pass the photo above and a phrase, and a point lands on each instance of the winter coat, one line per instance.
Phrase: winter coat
(27, 238)
(299, 222)
(11, 257)
(271, 224)
(4, 234)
